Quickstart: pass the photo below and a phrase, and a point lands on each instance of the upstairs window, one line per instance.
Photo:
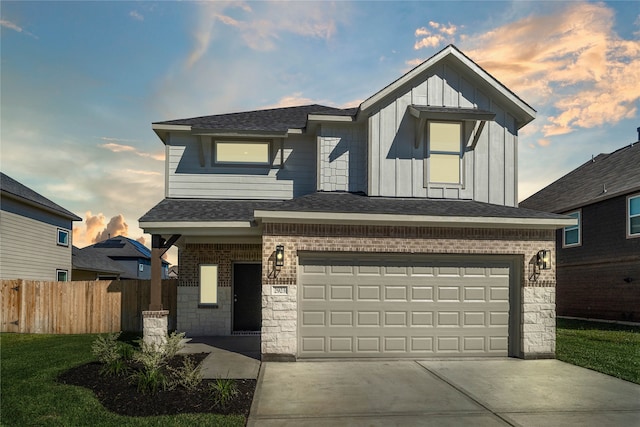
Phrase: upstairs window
(241, 152)
(445, 152)
(62, 238)
(571, 234)
(633, 216)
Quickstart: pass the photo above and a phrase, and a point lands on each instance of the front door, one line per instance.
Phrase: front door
(247, 296)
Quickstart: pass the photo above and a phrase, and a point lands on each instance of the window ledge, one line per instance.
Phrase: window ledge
(210, 306)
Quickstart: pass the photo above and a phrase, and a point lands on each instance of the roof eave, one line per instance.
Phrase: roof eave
(411, 220)
(202, 228)
(70, 216)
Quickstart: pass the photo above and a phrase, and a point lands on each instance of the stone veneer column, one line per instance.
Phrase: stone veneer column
(155, 326)
(539, 322)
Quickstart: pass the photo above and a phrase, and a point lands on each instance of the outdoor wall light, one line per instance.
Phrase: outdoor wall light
(543, 259)
(279, 256)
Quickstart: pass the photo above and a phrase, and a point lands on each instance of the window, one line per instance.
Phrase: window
(62, 237)
(254, 153)
(62, 275)
(444, 140)
(208, 284)
(571, 234)
(633, 213)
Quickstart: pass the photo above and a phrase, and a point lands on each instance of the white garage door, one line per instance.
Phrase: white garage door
(365, 306)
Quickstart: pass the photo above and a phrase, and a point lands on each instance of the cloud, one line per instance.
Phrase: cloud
(10, 25)
(544, 142)
(571, 62)
(443, 33)
(136, 15)
(261, 29)
(122, 148)
(96, 229)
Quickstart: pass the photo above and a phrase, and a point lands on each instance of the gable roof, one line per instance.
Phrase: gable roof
(618, 173)
(11, 188)
(119, 247)
(522, 111)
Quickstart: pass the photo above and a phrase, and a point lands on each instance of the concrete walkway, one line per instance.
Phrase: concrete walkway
(230, 356)
(496, 392)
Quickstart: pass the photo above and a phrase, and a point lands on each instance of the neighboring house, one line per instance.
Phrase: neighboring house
(386, 230)
(94, 265)
(131, 258)
(35, 234)
(598, 260)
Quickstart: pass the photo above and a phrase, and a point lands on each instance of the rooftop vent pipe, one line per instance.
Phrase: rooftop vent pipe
(638, 129)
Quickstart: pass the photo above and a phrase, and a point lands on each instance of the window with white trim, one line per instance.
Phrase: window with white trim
(62, 237)
(208, 284)
(242, 152)
(633, 216)
(445, 152)
(571, 234)
(62, 275)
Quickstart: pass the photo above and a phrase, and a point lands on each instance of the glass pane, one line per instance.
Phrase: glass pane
(62, 276)
(239, 152)
(634, 206)
(571, 236)
(63, 237)
(444, 168)
(634, 225)
(575, 215)
(208, 284)
(444, 137)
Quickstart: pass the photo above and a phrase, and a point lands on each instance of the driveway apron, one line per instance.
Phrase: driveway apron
(497, 392)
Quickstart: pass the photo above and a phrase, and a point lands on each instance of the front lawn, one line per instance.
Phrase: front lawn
(604, 347)
(31, 395)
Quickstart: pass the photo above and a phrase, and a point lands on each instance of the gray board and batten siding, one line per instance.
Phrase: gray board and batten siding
(192, 172)
(397, 166)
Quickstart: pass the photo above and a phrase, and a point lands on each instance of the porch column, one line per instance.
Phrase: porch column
(156, 272)
(155, 320)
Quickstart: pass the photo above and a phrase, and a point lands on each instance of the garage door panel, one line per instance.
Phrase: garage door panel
(362, 307)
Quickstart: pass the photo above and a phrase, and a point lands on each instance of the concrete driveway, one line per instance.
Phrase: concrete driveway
(496, 392)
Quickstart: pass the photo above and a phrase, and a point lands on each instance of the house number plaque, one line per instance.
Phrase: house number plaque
(280, 290)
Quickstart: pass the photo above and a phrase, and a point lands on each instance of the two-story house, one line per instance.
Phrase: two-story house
(386, 230)
(598, 259)
(35, 234)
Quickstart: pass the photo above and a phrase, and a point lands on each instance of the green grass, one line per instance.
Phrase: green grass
(31, 396)
(604, 347)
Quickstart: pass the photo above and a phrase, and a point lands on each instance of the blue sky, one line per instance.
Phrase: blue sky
(81, 82)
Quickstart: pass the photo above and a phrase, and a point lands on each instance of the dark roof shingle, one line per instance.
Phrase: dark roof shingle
(13, 188)
(617, 173)
(273, 120)
(331, 202)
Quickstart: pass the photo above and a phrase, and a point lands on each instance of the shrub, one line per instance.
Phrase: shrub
(188, 376)
(112, 353)
(174, 344)
(223, 390)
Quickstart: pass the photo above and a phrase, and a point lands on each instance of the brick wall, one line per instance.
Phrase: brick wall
(194, 320)
(278, 310)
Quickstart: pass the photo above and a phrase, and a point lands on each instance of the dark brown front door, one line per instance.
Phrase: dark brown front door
(247, 294)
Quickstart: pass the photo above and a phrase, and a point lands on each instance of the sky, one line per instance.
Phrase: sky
(82, 81)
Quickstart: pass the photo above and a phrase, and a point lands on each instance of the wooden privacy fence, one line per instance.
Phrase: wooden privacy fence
(80, 307)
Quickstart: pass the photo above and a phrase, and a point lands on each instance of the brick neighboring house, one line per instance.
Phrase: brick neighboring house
(598, 260)
(35, 234)
(386, 230)
(117, 257)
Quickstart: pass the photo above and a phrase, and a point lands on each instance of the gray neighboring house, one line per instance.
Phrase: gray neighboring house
(35, 234)
(94, 265)
(386, 230)
(131, 259)
(598, 259)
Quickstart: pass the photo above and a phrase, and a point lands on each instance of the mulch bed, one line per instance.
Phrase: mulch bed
(120, 395)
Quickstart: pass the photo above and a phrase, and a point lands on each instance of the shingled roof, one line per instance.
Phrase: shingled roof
(176, 210)
(12, 188)
(271, 120)
(604, 177)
